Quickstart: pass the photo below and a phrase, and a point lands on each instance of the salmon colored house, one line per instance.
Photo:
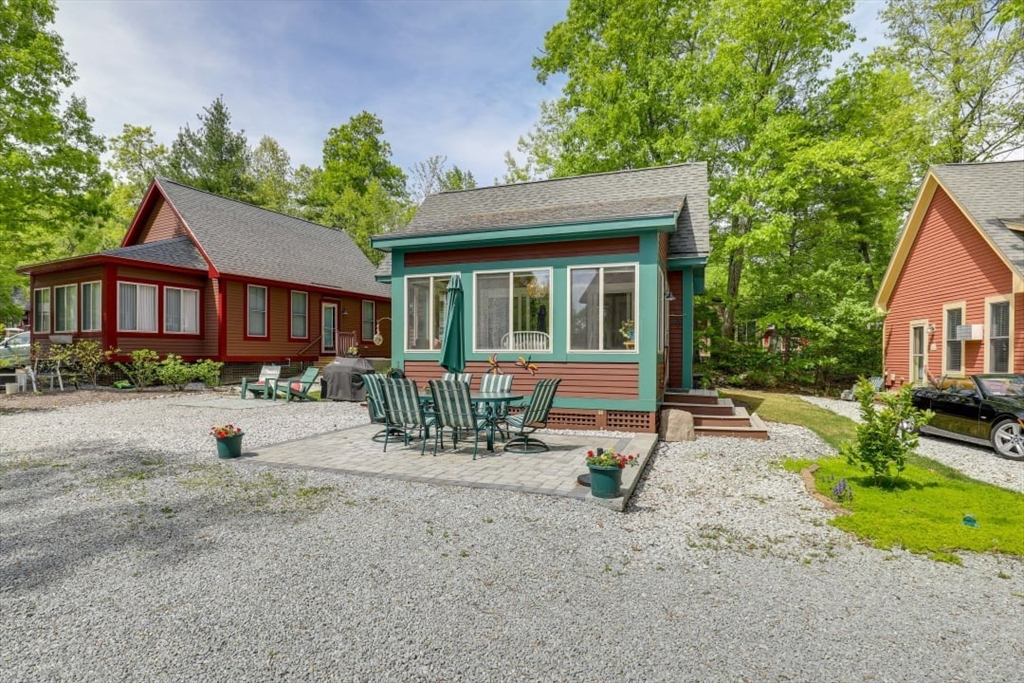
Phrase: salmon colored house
(203, 276)
(589, 278)
(954, 291)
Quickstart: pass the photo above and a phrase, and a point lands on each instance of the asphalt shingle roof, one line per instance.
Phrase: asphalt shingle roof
(581, 199)
(242, 239)
(178, 251)
(993, 194)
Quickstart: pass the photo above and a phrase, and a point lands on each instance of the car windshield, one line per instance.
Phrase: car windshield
(1003, 385)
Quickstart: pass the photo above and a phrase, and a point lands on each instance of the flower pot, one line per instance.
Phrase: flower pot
(605, 481)
(229, 446)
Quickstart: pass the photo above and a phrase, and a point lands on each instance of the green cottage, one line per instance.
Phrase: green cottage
(589, 278)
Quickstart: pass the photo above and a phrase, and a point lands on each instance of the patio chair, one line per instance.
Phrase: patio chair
(466, 377)
(453, 408)
(533, 418)
(403, 409)
(502, 384)
(298, 387)
(261, 387)
(375, 404)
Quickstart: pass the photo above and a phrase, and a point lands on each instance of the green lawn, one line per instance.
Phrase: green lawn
(923, 512)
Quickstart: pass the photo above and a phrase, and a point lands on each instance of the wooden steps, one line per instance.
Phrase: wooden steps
(714, 416)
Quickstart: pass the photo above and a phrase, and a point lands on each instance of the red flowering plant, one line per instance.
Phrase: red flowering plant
(607, 457)
(224, 431)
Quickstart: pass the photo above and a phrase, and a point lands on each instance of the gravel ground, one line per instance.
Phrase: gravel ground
(974, 461)
(127, 552)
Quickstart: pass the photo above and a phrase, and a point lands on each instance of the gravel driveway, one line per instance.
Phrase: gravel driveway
(128, 552)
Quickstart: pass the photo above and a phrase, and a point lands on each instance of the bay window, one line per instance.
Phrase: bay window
(65, 308)
(41, 310)
(92, 306)
(511, 310)
(136, 307)
(181, 310)
(425, 302)
(602, 308)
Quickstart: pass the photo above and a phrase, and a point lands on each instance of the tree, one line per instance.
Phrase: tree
(51, 182)
(968, 57)
(358, 188)
(273, 177)
(213, 157)
(136, 158)
(433, 176)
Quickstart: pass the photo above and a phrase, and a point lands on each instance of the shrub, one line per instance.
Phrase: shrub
(886, 436)
(143, 370)
(174, 373)
(91, 359)
(208, 372)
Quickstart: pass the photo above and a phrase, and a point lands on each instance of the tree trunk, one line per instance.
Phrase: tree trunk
(740, 226)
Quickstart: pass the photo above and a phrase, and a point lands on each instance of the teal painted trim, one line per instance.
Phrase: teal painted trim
(398, 310)
(530, 235)
(680, 263)
(467, 269)
(688, 328)
(648, 305)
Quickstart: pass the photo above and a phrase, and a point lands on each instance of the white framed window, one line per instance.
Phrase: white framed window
(65, 308)
(424, 320)
(510, 310)
(92, 306)
(256, 311)
(300, 315)
(952, 349)
(998, 323)
(369, 315)
(918, 352)
(41, 310)
(603, 308)
(181, 310)
(136, 307)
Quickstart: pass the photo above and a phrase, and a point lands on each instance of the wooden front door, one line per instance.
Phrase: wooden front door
(329, 318)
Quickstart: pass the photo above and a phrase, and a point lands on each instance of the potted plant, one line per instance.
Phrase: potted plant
(627, 330)
(229, 440)
(606, 471)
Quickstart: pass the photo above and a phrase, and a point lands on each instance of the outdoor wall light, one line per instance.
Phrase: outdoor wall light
(669, 296)
(931, 329)
(378, 339)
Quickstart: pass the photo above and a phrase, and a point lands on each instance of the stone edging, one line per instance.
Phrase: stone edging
(807, 474)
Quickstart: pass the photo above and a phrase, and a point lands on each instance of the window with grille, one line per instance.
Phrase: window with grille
(999, 336)
(954, 348)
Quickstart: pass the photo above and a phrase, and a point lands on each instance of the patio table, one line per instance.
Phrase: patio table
(490, 400)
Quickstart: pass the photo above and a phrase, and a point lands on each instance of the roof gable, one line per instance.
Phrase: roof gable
(990, 195)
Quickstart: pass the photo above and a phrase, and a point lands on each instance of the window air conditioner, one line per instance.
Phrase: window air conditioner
(970, 332)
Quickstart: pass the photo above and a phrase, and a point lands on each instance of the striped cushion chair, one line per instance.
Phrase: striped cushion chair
(466, 377)
(533, 418)
(499, 384)
(403, 409)
(453, 408)
(375, 404)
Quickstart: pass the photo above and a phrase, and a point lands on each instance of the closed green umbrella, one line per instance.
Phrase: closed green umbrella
(453, 351)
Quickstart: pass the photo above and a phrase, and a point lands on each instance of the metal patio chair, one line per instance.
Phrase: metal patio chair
(534, 417)
(403, 409)
(453, 408)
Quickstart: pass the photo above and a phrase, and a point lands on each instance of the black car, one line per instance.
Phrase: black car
(985, 409)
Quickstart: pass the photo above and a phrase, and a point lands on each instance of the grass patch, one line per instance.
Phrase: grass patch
(922, 513)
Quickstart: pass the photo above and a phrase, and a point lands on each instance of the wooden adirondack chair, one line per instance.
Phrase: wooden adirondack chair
(262, 387)
(298, 387)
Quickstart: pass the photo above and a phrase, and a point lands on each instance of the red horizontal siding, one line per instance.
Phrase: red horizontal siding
(522, 252)
(161, 224)
(579, 380)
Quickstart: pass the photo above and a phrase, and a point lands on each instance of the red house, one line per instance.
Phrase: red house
(954, 290)
(203, 276)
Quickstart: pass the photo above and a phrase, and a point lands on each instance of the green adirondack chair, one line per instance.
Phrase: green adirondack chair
(298, 387)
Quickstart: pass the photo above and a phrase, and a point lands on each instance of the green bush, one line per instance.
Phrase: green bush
(91, 360)
(175, 373)
(208, 372)
(144, 369)
(886, 436)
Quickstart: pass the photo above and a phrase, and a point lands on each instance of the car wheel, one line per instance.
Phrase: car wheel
(1008, 439)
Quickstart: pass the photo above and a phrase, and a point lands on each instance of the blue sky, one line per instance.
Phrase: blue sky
(450, 77)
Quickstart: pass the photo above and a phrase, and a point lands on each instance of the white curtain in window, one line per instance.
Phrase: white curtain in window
(190, 311)
(147, 308)
(492, 310)
(127, 307)
(172, 310)
(91, 306)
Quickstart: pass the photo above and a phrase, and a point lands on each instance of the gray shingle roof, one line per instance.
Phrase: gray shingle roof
(993, 194)
(178, 251)
(242, 239)
(581, 199)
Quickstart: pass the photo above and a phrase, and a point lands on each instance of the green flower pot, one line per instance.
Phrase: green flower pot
(605, 481)
(229, 446)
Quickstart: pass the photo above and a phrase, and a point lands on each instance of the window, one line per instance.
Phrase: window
(369, 312)
(300, 315)
(953, 360)
(917, 353)
(41, 310)
(65, 308)
(92, 306)
(136, 307)
(602, 309)
(424, 300)
(256, 321)
(181, 310)
(511, 310)
(999, 336)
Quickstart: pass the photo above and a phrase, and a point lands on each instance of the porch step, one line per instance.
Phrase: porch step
(754, 429)
(724, 407)
(739, 418)
(691, 396)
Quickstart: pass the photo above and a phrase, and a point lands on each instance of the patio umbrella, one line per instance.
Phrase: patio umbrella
(453, 352)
